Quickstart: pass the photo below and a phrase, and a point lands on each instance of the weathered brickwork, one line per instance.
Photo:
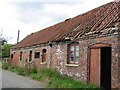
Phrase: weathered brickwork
(81, 72)
(70, 47)
(119, 53)
(56, 57)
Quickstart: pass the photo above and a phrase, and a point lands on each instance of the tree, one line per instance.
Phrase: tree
(3, 39)
(6, 50)
(4, 47)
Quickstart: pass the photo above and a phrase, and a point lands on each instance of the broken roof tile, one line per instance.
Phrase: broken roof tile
(94, 20)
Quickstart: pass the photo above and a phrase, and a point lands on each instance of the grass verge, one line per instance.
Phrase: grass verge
(50, 77)
(0, 64)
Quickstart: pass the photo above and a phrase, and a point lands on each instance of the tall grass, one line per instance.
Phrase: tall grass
(19, 70)
(54, 79)
(50, 77)
(0, 64)
(5, 65)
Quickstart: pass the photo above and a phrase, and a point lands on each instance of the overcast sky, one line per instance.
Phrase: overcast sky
(33, 15)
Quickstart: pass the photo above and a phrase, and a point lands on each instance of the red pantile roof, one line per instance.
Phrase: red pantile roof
(94, 20)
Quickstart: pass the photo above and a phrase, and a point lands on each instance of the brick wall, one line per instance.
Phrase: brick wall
(81, 72)
(57, 58)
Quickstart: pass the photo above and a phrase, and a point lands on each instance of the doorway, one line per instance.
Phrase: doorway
(100, 66)
(43, 55)
(105, 67)
(30, 56)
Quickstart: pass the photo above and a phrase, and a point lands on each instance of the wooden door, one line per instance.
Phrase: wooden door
(95, 66)
(44, 57)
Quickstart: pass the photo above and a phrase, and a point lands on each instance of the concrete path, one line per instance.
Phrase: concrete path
(13, 80)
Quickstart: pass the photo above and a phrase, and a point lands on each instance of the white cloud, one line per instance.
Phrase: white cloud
(32, 15)
(46, 1)
(8, 19)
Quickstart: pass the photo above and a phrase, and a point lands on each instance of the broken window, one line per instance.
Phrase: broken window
(11, 55)
(37, 54)
(21, 56)
(30, 56)
(73, 53)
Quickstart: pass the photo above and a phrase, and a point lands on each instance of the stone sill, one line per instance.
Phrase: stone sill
(36, 59)
(43, 63)
(20, 60)
(72, 65)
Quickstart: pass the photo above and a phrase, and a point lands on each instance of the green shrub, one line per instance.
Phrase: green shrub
(48, 72)
(20, 71)
(33, 70)
(5, 65)
(29, 71)
(56, 80)
(11, 68)
(36, 76)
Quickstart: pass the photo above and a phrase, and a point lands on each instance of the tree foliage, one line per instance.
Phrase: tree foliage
(3, 39)
(6, 50)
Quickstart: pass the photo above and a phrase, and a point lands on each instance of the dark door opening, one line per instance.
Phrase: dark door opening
(30, 56)
(105, 81)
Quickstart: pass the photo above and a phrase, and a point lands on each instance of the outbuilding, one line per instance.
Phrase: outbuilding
(85, 47)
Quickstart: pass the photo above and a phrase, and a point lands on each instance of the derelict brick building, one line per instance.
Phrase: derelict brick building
(85, 47)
